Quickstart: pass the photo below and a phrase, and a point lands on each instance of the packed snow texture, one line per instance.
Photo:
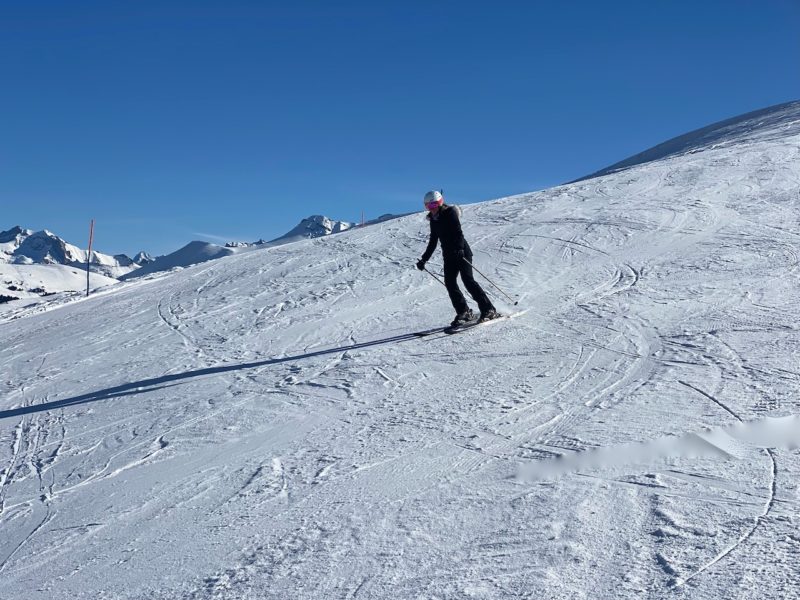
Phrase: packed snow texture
(35, 282)
(266, 425)
(191, 254)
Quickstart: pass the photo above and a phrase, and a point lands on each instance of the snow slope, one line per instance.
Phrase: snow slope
(28, 282)
(192, 253)
(759, 125)
(265, 426)
(198, 252)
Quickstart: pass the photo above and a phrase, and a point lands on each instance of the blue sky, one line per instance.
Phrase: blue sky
(171, 121)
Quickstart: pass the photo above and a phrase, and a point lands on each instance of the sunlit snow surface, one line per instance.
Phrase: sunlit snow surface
(263, 426)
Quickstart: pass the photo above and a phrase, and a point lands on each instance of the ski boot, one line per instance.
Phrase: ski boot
(463, 317)
(488, 315)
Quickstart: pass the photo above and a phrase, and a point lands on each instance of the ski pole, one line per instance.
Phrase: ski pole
(434, 276)
(492, 282)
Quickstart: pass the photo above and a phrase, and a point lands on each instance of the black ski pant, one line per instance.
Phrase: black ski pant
(455, 266)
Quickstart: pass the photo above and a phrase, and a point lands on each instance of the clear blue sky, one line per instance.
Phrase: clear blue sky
(169, 121)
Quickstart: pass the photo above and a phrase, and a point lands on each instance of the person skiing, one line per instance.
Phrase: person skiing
(445, 225)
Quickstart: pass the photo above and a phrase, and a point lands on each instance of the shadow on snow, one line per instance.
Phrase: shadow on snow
(156, 383)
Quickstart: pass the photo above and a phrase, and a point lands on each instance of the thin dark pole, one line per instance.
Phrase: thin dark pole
(89, 255)
(435, 277)
(492, 282)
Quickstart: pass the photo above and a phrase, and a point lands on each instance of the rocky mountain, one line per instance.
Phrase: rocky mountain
(143, 258)
(27, 247)
(313, 227)
(36, 264)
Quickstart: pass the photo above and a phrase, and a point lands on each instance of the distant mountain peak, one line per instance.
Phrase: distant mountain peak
(315, 226)
(143, 258)
(27, 247)
(44, 247)
(14, 234)
(321, 225)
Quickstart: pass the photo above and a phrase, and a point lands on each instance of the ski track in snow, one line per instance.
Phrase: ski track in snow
(268, 426)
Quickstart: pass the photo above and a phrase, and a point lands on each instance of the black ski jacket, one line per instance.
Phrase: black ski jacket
(446, 228)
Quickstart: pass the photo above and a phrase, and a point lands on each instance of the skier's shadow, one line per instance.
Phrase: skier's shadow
(165, 381)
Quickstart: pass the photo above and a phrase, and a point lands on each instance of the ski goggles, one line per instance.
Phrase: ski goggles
(432, 204)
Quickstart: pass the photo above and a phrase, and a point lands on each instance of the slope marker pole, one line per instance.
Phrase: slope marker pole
(89, 254)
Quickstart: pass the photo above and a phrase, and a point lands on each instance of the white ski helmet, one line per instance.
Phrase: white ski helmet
(433, 196)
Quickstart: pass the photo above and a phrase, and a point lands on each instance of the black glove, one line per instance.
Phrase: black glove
(421, 265)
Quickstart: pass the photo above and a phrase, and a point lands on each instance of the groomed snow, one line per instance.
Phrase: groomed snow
(192, 253)
(17, 281)
(264, 425)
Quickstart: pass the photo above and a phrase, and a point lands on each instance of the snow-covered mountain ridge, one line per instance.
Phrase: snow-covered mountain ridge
(315, 226)
(25, 246)
(266, 425)
(36, 265)
(761, 125)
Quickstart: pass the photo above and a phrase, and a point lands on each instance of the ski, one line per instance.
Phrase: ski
(477, 322)
(470, 324)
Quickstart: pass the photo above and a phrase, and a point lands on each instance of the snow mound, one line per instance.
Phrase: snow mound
(31, 283)
(767, 124)
(191, 254)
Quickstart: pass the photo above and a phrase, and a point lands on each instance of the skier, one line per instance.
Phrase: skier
(446, 227)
